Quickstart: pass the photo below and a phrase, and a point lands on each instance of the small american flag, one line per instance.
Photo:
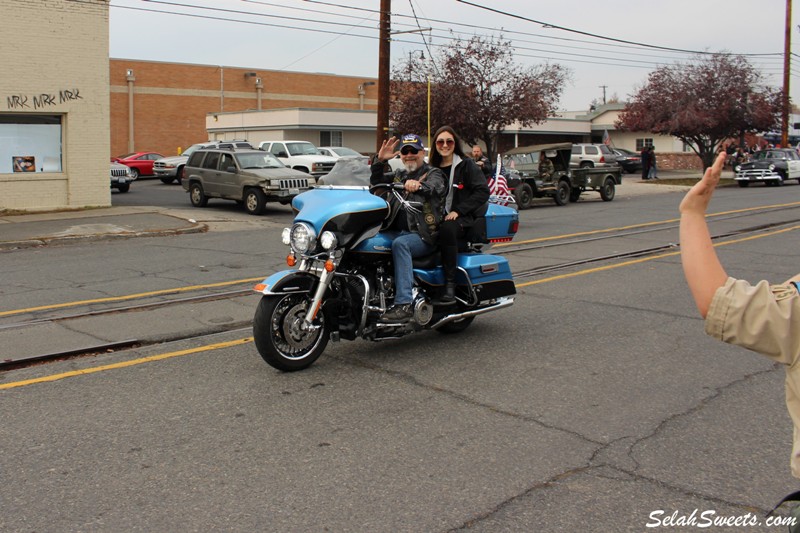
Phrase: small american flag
(499, 193)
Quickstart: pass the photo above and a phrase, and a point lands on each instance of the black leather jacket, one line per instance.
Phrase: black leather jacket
(431, 195)
(469, 190)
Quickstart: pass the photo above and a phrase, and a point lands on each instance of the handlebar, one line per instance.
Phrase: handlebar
(393, 186)
(396, 189)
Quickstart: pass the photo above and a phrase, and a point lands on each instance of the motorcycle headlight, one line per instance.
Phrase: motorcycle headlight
(328, 240)
(303, 237)
(286, 236)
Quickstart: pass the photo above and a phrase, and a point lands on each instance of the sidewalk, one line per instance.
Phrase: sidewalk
(39, 229)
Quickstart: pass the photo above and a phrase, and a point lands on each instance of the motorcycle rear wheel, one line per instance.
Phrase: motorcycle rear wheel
(278, 336)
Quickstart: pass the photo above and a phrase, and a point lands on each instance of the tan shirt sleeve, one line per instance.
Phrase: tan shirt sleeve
(762, 317)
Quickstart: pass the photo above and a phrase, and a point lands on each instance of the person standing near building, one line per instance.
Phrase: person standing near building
(652, 174)
(482, 161)
(645, 162)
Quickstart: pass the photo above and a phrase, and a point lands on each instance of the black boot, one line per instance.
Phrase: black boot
(449, 256)
(449, 296)
(398, 313)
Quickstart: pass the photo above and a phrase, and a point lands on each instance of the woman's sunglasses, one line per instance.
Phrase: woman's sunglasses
(442, 142)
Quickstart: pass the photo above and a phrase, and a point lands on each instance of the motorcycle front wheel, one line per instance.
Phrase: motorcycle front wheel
(279, 336)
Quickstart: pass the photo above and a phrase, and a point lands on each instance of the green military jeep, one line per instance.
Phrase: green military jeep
(544, 170)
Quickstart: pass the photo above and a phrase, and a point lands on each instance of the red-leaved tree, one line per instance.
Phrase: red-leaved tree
(475, 87)
(703, 103)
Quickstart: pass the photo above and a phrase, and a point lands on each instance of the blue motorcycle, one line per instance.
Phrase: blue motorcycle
(341, 276)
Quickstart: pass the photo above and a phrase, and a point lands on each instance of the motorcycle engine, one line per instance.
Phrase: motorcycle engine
(423, 311)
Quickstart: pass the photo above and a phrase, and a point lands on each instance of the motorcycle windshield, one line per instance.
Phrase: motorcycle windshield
(346, 173)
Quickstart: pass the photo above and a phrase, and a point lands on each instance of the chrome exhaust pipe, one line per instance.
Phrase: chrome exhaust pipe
(501, 303)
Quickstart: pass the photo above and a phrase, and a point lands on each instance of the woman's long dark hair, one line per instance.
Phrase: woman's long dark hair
(436, 157)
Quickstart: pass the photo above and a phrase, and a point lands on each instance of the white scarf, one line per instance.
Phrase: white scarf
(450, 190)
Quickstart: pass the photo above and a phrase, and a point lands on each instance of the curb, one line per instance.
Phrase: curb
(46, 241)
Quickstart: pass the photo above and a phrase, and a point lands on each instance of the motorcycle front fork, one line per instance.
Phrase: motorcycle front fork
(324, 280)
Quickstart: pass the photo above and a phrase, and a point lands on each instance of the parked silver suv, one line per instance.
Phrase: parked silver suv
(592, 155)
(249, 177)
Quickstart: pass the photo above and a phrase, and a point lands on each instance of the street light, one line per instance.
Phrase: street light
(362, 91)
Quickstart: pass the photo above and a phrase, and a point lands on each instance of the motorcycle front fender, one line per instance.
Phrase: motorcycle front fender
(287, 281)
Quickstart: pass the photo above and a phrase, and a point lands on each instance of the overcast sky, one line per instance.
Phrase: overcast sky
(340, 37)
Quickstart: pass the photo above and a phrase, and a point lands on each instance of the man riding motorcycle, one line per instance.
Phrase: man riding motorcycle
(414, 232)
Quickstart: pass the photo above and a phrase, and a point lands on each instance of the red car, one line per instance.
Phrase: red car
(140, 163)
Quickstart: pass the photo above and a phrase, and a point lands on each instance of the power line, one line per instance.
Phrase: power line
(596, 36)
(566, 57)
(251, 22)
(240, 12)
(630, 44)
(305, 19)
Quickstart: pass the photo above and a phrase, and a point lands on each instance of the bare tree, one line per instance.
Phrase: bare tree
(475, 87)
(703, 103)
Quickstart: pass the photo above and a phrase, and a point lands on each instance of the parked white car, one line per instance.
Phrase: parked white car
(337, 152)
(300, 155)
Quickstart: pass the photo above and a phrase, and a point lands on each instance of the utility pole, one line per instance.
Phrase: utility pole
(787, 41)
(384, 60)
(604, 87)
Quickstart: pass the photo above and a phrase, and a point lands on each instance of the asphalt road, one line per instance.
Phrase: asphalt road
(150, 191)
(595, 403)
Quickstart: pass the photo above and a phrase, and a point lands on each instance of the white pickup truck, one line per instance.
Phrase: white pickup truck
(300, 155)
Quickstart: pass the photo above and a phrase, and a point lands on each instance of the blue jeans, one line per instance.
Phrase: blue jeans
(406, 246)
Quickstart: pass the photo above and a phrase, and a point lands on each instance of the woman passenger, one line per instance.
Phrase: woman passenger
(465, 203)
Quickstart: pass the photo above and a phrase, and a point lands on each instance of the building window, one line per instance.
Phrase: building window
(30, 143)
(641, 143)
(330, 138)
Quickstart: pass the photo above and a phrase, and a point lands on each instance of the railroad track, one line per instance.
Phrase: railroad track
(642, 252)
(628, 231)
(10, 363)
(211, 292)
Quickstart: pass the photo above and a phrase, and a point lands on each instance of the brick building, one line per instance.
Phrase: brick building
(54, 104)
(163, 106)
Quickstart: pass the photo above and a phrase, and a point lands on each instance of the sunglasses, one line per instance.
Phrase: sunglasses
(409, 150)
(442, 142)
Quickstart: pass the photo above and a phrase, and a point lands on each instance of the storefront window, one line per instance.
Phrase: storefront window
(30, 143)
